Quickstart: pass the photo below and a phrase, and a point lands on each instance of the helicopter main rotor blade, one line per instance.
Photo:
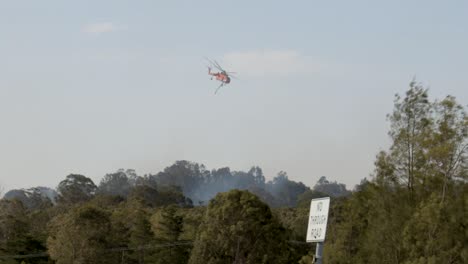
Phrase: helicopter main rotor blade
(209, 62)
(215, 65)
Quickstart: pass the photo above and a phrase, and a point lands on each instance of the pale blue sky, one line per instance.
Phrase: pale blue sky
(93, 86)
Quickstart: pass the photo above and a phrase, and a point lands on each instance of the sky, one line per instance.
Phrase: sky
(89, 87)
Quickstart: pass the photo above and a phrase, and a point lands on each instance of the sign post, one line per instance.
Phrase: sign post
(317, 227)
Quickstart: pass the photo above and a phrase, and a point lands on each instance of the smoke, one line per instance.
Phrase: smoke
(201, 185)
(189, 179)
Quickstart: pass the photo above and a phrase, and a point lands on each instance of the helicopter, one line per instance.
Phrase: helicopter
(223, 76)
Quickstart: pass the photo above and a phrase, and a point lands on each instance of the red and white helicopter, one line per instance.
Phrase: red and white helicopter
(223, 76)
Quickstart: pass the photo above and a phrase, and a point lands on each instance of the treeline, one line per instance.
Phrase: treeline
(128, 218)
(412, 210)
(183, 183)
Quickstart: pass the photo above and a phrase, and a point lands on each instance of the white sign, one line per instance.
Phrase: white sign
(318, 218)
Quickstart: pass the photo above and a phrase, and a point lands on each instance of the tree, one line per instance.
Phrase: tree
(348, 223)
(266, 197)
(187, 175)
(75, 189)
(81, 236)
(304, 199)
(13, 224)
(436, 233)
(219, 180)
(193, 218)
(448, 145)
(146, 194)
(239, 228)
(332, 189)
(167, 226)
(132, 229)
(173, 195)
(295, 220)
(257, 173)
(15, 231)
(33, 198)
(243, 180)
(429, 143)
(413, 210)
(117, 183)
(410, 126)
(284, 190)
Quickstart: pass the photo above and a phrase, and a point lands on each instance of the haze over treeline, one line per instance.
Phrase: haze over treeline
(189, 179)
(413, 208)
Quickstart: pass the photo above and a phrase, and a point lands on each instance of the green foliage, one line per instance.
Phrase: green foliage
(429, 148)
(117, 183)
(187, 175)
(410, 127)
(80, 236)
(15, 235)
(307, 259)
(145, 194)
(436, 233)
(13, 224)
(332, 189)
(414, 210)
(159, 196)
(131, 229)
(239, 228)
(285, 190)
(167, 225)
(295, 220)
(75, 189)
(172, 195)
(388, 212)
(303, 200)
(447, 146)
(193, 218)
